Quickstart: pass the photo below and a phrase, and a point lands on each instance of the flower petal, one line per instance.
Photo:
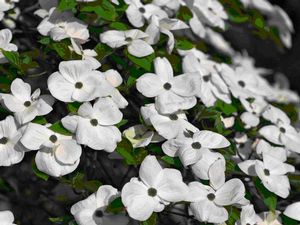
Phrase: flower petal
(140, 48)
(211, 140)
(293, 211)
(60, 88)
(149, 170)
(163, 69)
(68, 152)
(150, 85)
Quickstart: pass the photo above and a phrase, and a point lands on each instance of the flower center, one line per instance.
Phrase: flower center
(78, 85)
(242, 83)
(99, 213)
(196, 145)
(167, 86)
(211, 196)
(53, 138)
(282, 130)
(94, 122)
(152, 192)
(3, 140)
(206, 78)
(267, 172)
(128, 39)
(142, 10)
(173, 117)
(27, 103)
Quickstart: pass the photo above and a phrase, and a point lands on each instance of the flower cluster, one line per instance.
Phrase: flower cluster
(208, 135)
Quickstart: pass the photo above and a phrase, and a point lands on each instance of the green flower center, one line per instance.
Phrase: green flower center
(211, 196)
(3, 140)
(27, 103)
(196, 145)
(94, 122)
(78, 85)
(53, 138)
(152, 192)
(267, 172)
(173, 117)
(242, 83)
(167, 86)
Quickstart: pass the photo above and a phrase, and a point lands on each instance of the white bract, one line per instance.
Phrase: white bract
(135, 40)
(164, 26)
(156, 188)
(207, 202)
(293, 211)
(278, 152)
(212, 86)
(60, 25)
(26, 106)
(11, 150)
(169, 6)
(172, 93)
(95, 125)
(248, 216)
(137, 13)
(5, 39)
(271, 171)
(58, 154)
(189, 145)
(5, 6)
(282, 132)
(91, 211)
(77, 80)
(167, 125)
(7, 217)
(140, 136)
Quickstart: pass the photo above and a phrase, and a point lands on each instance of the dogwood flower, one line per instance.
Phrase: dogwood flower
(201, 167)
(262, 5)
(254, 109)
(26, 106)
(270, 218)
(207, 202)
(188, 146)
(212, 86)
(5, 6)
(60, 25)
(134, 40)
(293, 210)
(5, 39)
(197, 25)
(281, 133)
(156, 188)
(169, 6)
(164, 26)
(137, 12)
(91, 211)
(248, 216)
(171, 93)
(94, 125)
(7, 217)
(271, 171)
(167, 125)
(140, 136)
(11, 150)
(78, 81)
(58, 154)
(277, 152)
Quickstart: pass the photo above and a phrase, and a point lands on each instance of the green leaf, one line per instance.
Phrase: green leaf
(145, 62)
(184, 14)
(103, 8)
(130, 155)
(67, 5)
(184, 45)
(234, 215)
(175, 162)
(63, 220)
(269, 198)
(288, 221)
(151, 221)
(122, 123)
(73, 107)
(116, 206)
(45, 40)
(39, 120)
(59, 128)
(102, 51)
(4, 186)
(118, 26)
(227, 109)
(38, 173)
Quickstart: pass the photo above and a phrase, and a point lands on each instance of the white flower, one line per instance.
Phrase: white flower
(58, 154)
(270, 218)
(277, 152)
(212, 86)
(134, 40)
(188, 146)
(7, 218)
(156, 188)
(167, 125)
(228, 122)
(248, 216)
(171, 93)
(280, 19)
(200, 168)
(94, 125)
(262, 5)
(281, 133)
(5, 39)
(271, 171)
(210, 12)
(140, 136)
(293, 211)
(254, 109)
(169, 6)
(207, 202)
(26, 106)
(164, 26)
(11, 150)
(197, 26)
(91, 211)
(60, 25)
(5, 6)
(137, 12)
(78, 81)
